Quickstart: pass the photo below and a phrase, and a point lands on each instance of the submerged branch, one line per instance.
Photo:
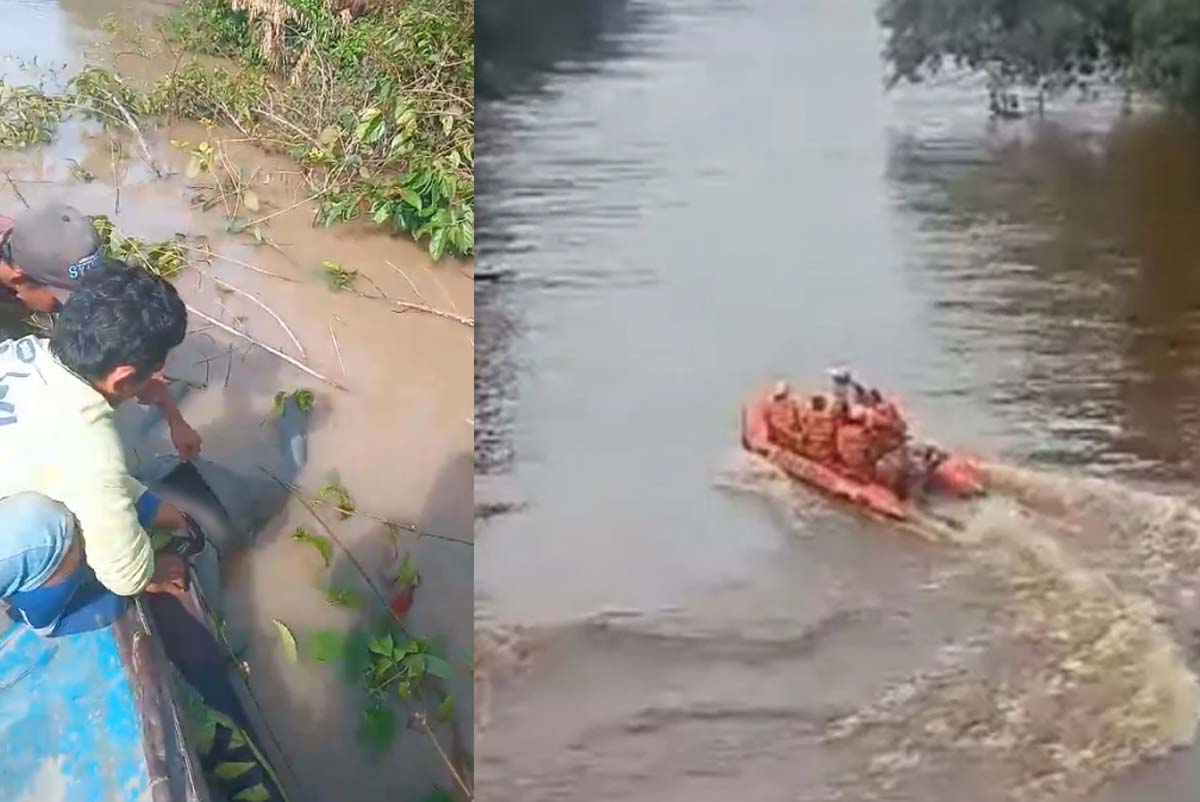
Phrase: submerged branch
(260, 305)
(274, 351)
(408, 306)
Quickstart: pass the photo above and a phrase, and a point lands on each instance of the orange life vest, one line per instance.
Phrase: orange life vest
(854, 450)
(785, 424)
(820, 436)
(886, 428)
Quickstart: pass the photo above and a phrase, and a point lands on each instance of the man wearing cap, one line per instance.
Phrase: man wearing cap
(72, 543)
(44, 255)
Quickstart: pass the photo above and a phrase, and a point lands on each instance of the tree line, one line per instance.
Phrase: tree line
(1050, 45)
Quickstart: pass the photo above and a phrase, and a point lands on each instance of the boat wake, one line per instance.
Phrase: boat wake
(1080, 675)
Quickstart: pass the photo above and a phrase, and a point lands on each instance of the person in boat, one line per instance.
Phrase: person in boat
(73, 547)
(888, 443)
(842, 382)
(786, 418)
(854, 444)
(44, 255)
(821, 421)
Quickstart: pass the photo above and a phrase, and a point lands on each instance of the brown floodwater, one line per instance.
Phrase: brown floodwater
(399, 437)
(686, 199)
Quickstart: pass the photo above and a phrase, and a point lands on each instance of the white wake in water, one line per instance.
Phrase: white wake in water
(1079, 678)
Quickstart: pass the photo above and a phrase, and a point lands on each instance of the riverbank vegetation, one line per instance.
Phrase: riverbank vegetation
(374, 99)
(1050, 46)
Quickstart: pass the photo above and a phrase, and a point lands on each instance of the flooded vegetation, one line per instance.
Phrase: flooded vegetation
(676, 223)
(337, 274)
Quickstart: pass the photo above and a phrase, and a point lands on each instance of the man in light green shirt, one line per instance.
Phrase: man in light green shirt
(58, 439)
(44, 255)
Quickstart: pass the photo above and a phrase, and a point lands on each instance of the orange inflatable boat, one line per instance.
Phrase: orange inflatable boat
(948, 475)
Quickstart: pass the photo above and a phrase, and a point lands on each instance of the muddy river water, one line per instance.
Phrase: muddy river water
(399, 437)
(684, 200)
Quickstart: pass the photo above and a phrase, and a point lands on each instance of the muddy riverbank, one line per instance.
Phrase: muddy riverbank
(398, 437)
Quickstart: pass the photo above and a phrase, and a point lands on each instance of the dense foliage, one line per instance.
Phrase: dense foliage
(376, 100)
(1050, 45)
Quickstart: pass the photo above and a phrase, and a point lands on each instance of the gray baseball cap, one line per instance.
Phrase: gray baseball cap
(55, 245)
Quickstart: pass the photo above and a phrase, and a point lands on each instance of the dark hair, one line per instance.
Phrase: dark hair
(818, 403)
(122, 316)
(875, 396)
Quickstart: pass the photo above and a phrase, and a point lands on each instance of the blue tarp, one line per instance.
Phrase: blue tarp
(69, 725)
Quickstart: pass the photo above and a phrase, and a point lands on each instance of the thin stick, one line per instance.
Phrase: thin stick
(213, 255)
(445, 292)
(383, 295)
(207, 360)
(24, 180)
(329, 531)
(15, 188)
(112, 160)
(406, 306)
(229, 367)
(187, 382)
(303, 494)
(267, 217)
(289, 124)
(406, 278)
(337, 349)
(423, 725)
(133, 126)
(291, 361)
(260, 305)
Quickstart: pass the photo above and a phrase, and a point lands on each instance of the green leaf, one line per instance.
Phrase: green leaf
(236, 226)
(355, 656)
(193, 167)
(382, 645)
(318, 542)
(377, 729)
(437, 244)
(437, 795)
(416, 666)
(327, 645)
(229, 771)
(382, 214)
(407, 575)
(437, 666)
(404, 690)
(341, 597)
(305, 400)
(445, 710)
(411, 198)
(250, 199)
(288, 640)
(255, 793)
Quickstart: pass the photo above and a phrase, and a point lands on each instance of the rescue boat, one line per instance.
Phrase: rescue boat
(949, 476)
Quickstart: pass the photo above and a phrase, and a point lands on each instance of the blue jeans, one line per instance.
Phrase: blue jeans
(35, 535)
